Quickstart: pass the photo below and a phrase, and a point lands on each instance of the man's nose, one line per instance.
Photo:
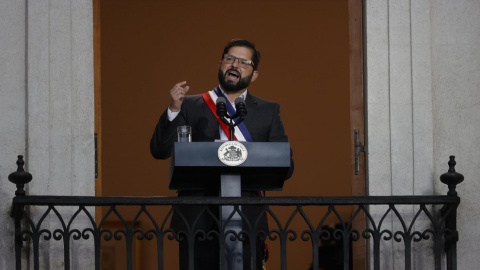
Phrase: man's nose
(235, 62)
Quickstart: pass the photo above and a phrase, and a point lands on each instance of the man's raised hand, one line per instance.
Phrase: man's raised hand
(177, 94)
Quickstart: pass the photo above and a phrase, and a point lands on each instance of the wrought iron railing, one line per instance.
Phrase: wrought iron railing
(385, 221)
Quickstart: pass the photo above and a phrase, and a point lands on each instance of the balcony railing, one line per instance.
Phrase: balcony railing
(395, 223)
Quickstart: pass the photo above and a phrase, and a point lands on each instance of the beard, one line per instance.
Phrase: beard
(230, 86)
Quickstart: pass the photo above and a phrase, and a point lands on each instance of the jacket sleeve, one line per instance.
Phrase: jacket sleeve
(165, 134)
(277, 134)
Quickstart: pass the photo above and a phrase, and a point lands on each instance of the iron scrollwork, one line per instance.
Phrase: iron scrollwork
(407, 220)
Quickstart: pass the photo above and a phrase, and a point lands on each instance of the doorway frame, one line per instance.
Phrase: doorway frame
(357, 109)
(357, 120)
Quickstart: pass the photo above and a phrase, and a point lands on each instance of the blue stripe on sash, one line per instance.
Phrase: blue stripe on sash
(231, 111)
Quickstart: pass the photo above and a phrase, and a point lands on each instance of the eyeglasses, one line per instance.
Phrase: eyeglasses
(242, 62)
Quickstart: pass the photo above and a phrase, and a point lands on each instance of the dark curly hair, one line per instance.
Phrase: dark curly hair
(244, 43)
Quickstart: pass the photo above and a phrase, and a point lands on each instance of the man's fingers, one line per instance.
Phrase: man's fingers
(183, 91)
(179, 89)
(177, 94)
(181, 83)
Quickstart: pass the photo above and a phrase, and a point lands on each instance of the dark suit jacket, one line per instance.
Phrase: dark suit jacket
(263, 122)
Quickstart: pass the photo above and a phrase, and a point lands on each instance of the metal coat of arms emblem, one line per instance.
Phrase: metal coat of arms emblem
(232, 153)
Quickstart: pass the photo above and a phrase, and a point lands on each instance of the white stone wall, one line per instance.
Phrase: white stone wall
(456, 112)
(399, 112)
(12, 114)
(423, 105)
(47, 110)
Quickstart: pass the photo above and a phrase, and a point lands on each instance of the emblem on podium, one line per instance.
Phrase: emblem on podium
(232, 153)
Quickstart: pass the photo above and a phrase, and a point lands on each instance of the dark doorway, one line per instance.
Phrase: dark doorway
(311, 65)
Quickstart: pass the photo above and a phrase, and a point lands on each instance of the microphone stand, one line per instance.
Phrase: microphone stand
(240, 114)
(231, 124)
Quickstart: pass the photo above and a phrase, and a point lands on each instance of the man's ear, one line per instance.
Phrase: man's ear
(254, 75)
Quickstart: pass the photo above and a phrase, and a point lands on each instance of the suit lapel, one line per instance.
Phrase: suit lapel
(251, 104)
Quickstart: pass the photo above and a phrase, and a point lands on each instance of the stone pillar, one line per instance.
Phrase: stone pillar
(12, 114)
(399, 113)
(423, 103)
(60, 115)
(456, 117)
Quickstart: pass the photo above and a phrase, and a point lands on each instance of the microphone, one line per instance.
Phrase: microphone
(240, 107)
(221, 107)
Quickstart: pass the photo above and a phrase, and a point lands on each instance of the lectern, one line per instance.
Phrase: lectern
(230, 167)
(197, 166)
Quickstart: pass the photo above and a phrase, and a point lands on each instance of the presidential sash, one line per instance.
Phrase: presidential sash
(241, 131)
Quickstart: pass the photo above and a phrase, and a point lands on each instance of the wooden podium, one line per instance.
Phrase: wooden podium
(197, 166)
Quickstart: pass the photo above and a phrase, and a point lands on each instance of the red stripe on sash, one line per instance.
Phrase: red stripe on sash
(208, 99)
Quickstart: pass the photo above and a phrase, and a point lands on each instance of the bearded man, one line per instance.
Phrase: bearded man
(237, 69)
